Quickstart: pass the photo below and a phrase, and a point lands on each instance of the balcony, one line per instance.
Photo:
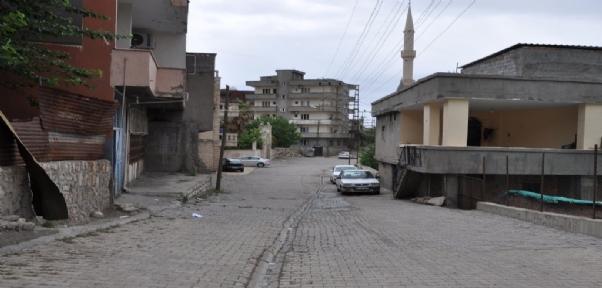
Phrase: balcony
(315, 108)
(262, 83)
(314, 95)
(261, 96)
(137, 70)
(326, 135)
(264, 109)
(313, 122)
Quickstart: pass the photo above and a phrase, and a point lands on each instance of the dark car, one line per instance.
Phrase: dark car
(232, 164)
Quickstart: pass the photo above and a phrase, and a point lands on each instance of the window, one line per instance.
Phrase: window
(283, 96)
(338, 142)
(265, 103)
(382, 133)
(283, 83)
(331, 142)
(296, 102)
(304, 116)
(303, 129)
(282, 109)
(266, 91)
(304, 142)
(304, 90)
(273, 115)
(274, 103)
(77, 20)
(395, 117)
(273, 90)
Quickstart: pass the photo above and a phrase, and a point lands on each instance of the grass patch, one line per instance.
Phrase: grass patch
(89, 234)
(68, 240)
(49, 224)
(213, 192)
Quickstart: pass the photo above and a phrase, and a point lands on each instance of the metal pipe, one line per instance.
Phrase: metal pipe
(507, 182)
(543, 162)
(595, 178)
(483, 182)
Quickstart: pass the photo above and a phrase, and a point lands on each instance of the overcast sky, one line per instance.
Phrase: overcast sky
(253, 38)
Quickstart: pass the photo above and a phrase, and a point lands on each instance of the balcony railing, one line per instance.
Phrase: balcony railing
(264, 109)
(313, 122)
(325, 135)
(261, 96)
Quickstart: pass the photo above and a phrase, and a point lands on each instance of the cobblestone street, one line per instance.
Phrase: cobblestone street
(286, 226)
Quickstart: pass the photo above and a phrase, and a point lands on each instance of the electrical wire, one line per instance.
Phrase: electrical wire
(362, 38)
(383, 39)
(342, 37)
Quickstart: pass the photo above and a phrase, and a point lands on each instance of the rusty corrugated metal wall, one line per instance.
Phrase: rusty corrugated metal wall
(71, 127)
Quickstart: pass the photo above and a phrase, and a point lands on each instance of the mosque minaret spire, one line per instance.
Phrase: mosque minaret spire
(408, 53)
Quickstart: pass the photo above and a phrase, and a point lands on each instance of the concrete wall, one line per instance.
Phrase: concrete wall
(169, 48)
(387, 137)
(543, 62)
(385, 171)
(412, 127)
(241, 153)
(173, 139)
(530, 128)
(84, 184)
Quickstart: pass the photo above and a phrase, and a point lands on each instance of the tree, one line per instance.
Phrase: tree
(246, 139)
(367, 157)
(245, 115)
(25, 22)
(284, 133)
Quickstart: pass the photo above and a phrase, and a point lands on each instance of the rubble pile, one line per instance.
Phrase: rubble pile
(286, 152)
(436, 201)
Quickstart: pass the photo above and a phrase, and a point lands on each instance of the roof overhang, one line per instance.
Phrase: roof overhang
(486, 92)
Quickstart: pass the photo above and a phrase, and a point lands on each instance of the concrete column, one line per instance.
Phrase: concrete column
(450, 190)
(432, 127)
(410, 128)
(455, 122)
(589, 129)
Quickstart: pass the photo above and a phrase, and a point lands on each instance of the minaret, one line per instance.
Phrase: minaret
(408, 53)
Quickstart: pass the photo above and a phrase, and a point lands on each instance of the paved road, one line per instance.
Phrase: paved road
(280, 227)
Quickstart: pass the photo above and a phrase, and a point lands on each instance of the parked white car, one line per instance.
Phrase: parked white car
(255, 161)
(334, 172)
(346, 155)
(360, 181)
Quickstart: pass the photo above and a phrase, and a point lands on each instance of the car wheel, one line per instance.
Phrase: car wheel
(242, 170)
(260, 164)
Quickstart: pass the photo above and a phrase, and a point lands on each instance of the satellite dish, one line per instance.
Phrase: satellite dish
(137, 39)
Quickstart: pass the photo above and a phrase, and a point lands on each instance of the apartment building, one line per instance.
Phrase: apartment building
(320, 108)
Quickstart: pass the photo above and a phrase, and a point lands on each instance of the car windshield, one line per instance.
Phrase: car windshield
(357, 175)
(343, 168)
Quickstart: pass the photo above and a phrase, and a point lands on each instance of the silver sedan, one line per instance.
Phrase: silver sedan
(357, 181)
(255, 161)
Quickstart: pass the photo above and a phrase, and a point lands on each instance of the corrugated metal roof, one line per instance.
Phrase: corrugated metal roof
(33, 137)
(520, 45)
(65, 112)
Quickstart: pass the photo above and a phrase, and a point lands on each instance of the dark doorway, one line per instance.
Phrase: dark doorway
(318, 151)
(474, 132)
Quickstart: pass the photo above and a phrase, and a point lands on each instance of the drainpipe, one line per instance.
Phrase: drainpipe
(126, 144)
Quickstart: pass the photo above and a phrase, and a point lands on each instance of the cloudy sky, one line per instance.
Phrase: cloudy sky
(358, 41)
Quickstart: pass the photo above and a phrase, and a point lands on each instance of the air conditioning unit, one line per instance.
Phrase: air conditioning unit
(143, 41)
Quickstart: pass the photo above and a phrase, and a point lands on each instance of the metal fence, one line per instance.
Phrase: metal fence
(578, 195)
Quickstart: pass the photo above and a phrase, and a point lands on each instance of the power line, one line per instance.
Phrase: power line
(429, 14)
(358, 40)
(452, 23)
(381, 40)
(341, 42)
(348, 67)
(423, 14)
(390, 64)
(427, 27)
(399, 73)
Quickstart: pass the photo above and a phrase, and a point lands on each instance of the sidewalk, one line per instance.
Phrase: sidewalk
(150, 194)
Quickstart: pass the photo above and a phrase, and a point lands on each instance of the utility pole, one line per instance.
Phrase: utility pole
(221, 149)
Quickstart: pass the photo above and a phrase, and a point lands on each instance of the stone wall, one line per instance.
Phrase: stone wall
(15, 196)
(84, 184)
(505, 64)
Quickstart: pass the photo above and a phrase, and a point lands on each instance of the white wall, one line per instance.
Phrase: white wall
(124, 24)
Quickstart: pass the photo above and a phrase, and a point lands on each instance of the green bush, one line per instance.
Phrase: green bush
(367, 157)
